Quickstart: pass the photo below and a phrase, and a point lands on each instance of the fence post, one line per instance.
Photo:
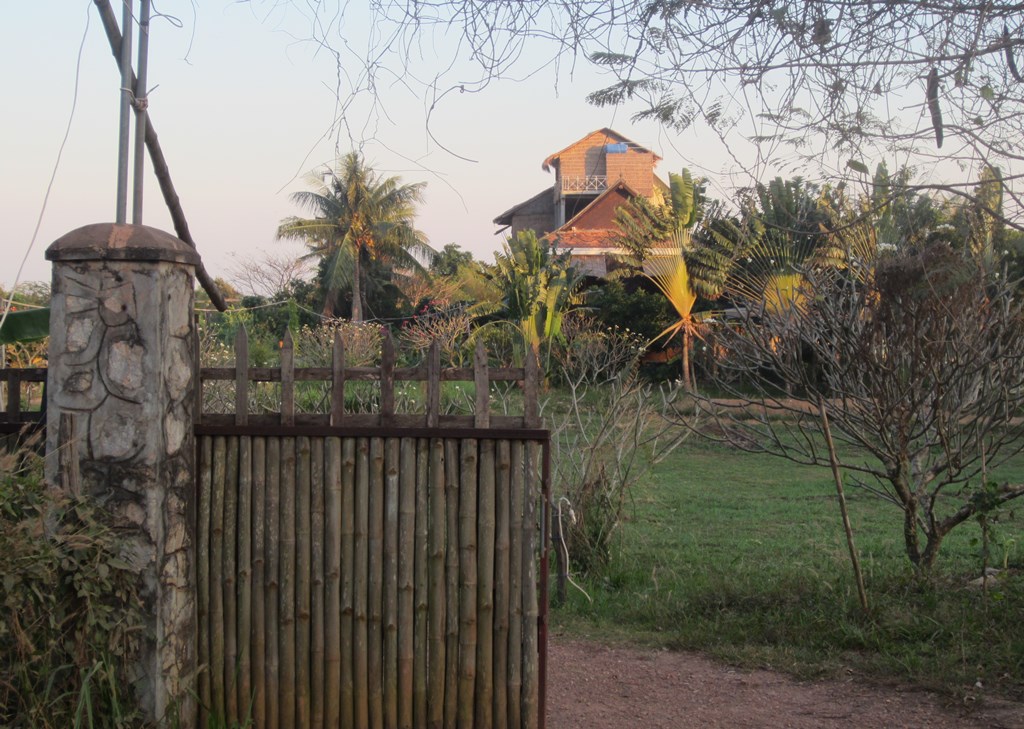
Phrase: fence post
(121, 361)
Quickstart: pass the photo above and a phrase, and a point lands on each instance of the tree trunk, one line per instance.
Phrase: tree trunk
(910, 536)
(687, 381)
(357, 290)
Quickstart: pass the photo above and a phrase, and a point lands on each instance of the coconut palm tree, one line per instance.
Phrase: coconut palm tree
(357, 217)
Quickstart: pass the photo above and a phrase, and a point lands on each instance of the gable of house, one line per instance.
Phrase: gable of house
(594, 176)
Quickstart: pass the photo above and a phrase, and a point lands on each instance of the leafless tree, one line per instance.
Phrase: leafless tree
(269, 272)
(914, 365)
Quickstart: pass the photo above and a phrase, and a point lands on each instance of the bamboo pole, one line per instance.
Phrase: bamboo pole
(837, 477)
(406, 566)
(452, 572)
(303, 580)
(259, 566)
(501, 584)
(204, 622)
(391, 550)
(317, 618)
(332, 573)
(230, 579)
(271, 583)
(531, 496)
(286, 634)
(436, 655)
(467, 581)
(244, 566)
(360, 587)
(375, 608)
(419, 675)
(349, 564)
(515, 585)
(218, 705)
(485, 587)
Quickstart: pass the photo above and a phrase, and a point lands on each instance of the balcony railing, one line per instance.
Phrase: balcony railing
(587, 183)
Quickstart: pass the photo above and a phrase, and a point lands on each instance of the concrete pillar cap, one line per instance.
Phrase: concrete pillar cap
(113, 242)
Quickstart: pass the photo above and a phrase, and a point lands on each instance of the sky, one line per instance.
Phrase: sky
(244, 108)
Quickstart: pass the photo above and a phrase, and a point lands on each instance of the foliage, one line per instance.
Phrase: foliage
(71, 610)
(25, 329)
(449, 260)
(537, 285)
(605, 429)
(358, 218)
(630, 308)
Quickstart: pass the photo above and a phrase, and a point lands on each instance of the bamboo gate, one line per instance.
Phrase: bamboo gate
(378, 569)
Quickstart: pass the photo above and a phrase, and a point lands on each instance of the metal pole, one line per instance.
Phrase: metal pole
(156, 156)
(125, 126)
(141, 113)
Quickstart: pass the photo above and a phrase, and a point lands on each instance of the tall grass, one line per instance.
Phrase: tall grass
(744, 557)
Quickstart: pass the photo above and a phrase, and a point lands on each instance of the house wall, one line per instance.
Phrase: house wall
(586, 157)
(538, 216)
(635, 168)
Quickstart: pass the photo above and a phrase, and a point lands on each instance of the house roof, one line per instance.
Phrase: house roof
(506, 217)
(576, 233)
(609, 133)
(617, 188)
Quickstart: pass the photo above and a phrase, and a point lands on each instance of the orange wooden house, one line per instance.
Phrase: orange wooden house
(593, 177)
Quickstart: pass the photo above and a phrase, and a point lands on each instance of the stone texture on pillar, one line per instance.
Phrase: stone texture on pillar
(121, 363)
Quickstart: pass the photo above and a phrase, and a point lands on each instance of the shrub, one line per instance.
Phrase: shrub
(70, 607)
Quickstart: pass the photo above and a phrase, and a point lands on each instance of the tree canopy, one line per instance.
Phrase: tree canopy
(836, 82)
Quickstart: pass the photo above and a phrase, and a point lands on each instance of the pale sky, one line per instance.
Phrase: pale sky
(243, 110)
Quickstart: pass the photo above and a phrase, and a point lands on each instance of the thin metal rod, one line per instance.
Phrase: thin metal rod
(156, 155)
(124, 129)
(141, 113)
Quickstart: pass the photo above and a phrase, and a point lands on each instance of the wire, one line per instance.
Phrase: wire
(46, 198)
(373, 320)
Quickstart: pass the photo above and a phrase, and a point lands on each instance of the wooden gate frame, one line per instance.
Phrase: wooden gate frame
(389, 424)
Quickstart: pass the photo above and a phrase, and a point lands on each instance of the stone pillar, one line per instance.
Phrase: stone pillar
(121, 364)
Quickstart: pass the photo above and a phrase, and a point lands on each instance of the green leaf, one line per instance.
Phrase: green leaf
(25, 326)
(857, 166)
(987, 93)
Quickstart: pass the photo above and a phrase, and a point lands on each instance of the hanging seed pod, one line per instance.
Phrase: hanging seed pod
(932, 94)
(1008, 50)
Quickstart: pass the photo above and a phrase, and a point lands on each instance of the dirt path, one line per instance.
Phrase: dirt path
(594, 686)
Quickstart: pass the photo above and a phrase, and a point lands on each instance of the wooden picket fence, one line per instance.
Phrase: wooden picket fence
(376, 569)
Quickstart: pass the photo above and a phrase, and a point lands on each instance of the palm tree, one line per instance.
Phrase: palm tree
(536, 285)
(357, 217)
(694, 262)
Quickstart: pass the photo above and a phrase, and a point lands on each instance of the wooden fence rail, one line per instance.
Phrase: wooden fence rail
(21, 390)
(387, 376)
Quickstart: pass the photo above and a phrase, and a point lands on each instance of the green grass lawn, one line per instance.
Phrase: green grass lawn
(744, 557)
